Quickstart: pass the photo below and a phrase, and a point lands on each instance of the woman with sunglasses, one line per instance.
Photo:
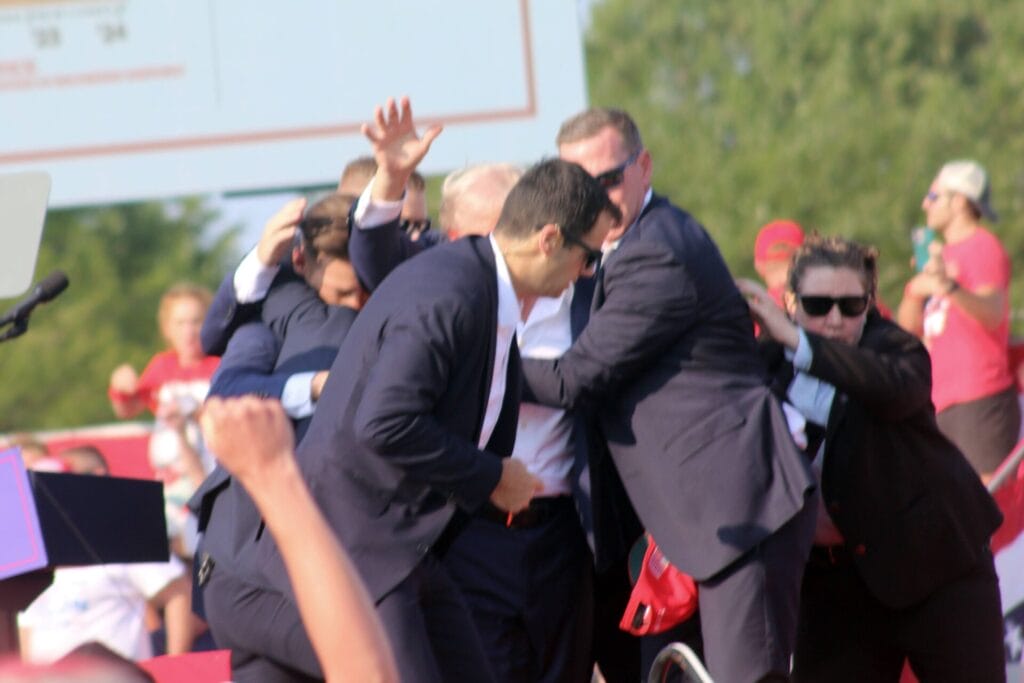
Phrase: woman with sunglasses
(900, 569)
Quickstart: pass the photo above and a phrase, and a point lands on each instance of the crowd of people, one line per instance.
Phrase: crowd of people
(437, 447)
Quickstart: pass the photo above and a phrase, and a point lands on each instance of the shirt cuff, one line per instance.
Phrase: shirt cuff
(804, 355)
(296, 398)
(252, 279)
(371, 214)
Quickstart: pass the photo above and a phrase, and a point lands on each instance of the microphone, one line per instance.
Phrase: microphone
(47, 288)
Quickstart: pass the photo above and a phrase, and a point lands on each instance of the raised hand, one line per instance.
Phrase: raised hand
(396, 146)
(251, 437)
(279, 231)
(767, 313)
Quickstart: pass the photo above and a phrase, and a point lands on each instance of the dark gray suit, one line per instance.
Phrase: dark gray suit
(392, 454)
(669, 363)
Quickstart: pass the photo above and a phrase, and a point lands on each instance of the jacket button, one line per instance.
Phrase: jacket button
(860, 549)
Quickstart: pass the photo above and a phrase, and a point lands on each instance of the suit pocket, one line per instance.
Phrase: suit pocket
(695, 437)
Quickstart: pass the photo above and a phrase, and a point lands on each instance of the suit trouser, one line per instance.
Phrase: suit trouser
(617, 653)
(431, 632)
(261, 627)
(529, 594)
(749, 610)
(955, 634)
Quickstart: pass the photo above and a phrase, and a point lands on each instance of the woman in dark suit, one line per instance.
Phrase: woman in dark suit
(900, 568)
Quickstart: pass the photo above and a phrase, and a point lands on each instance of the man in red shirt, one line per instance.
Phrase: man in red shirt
(959, 306)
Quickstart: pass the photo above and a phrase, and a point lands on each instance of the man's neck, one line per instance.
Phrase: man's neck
(959, 229)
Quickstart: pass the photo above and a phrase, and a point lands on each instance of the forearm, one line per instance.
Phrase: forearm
(177, 608)
(126, 406)
(910, 314)
(330, 595)
(987, 308)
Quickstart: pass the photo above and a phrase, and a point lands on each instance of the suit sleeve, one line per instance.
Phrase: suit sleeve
(396, 417)
(248, 363)
(376, 251)
(649, 301)
(889, 372)
(224, 316)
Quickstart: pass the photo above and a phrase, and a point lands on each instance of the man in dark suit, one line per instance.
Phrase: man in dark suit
(288, 362)
(530, 581)
(421, 404)
(669, 363)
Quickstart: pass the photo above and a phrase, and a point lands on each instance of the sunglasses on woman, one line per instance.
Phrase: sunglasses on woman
(849, 306)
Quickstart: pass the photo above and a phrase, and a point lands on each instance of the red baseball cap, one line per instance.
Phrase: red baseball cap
(776, 241)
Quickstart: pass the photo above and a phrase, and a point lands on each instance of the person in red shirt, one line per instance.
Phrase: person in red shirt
(173, 386)
(774, 247)
(959, 305)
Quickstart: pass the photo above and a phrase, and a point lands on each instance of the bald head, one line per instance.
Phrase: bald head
(472, 198)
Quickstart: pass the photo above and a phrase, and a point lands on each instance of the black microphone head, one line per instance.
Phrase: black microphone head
(52, 285)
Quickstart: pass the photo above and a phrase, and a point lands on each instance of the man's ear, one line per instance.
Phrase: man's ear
(549, 239)
(299, 261)
(789, 299)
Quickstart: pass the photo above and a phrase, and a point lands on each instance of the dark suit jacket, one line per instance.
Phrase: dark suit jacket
(392, 449)
(258, 361)
(670, 364)
(910, 508)
(607, 518)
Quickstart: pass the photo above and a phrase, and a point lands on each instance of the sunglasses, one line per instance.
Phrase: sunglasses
(932, 195)
(415, 225)
(849, 306)
(593, 256)
(613, 177)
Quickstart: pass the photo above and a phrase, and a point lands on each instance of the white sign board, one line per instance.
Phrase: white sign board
(130, 99)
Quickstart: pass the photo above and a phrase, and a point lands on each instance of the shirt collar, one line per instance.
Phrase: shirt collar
(508, 304)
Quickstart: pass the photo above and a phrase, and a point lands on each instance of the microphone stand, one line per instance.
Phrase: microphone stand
(18, 327)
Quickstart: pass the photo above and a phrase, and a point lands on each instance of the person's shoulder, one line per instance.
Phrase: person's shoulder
(444, 265)
(880, 333)
(984, 238)
(162, 363)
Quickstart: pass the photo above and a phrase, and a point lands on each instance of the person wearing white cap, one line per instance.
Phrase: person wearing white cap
(959, 305)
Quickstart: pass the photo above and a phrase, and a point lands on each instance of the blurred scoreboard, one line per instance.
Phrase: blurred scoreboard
(131, 99)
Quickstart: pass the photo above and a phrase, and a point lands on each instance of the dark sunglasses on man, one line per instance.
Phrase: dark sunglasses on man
(593, 256)
(849, 306)
(613, 177)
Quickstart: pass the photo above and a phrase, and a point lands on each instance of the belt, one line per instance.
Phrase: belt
(540, 511)
(830, 556)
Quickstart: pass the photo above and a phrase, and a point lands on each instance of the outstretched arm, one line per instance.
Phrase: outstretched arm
(378, 244)
(253, 440)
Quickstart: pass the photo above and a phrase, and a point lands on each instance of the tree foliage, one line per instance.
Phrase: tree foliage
(119, 261)
(836, 114)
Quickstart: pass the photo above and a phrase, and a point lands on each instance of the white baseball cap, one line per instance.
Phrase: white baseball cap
(968, 178)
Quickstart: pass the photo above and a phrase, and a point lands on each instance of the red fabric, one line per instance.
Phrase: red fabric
(1010, 499)
(125, 447)
(777, 241)
(968, 361)
(194, 667)
(164, 367)
(662, 597)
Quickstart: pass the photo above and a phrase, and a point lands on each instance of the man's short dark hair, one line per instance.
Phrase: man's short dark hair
(416, 181)
(554, 191)
(589, 123)
(325, 227)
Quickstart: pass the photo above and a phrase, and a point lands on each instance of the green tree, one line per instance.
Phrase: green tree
(836, 114)
(119, 261)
